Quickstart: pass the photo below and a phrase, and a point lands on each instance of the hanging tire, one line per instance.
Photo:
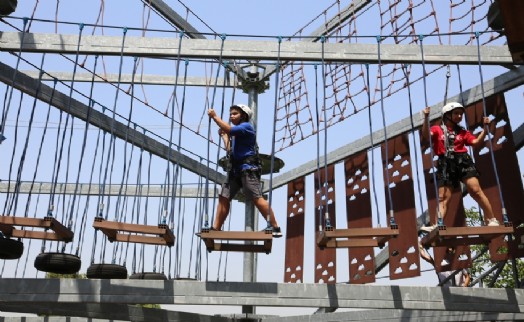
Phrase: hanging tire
(148, 276)
(11, 248)
(107, 271)
(58, 263)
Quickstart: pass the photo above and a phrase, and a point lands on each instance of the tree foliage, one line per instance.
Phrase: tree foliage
(482, 261)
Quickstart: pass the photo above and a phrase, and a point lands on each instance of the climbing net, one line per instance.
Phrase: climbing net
(401, 22)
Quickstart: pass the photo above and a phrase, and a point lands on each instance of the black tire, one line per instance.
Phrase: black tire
(148, 276)
(11, 248)
(58, 263)
(107, 271)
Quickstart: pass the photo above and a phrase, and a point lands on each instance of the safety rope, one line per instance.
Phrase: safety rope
(440, 220)
(272, 166)
(490, 137)
(372, 146)
(206, 189)
(83, 222)
(323, 189)
(10, 89)
(391, 210)
(410, 101)
(21, 163)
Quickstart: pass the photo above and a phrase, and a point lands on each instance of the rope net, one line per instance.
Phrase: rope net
(401, 22)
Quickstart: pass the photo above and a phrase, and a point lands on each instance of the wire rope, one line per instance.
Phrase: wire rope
(391, 210)
(410, 101)
(272, 165)
(490, 137)
(372, 143)
(440, 220)
(206, 190)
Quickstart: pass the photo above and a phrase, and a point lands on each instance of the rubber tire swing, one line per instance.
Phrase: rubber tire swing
(58, 263)
(107, 271)
(10, 248)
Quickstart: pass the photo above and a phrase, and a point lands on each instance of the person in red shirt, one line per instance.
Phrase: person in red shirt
(455, 165)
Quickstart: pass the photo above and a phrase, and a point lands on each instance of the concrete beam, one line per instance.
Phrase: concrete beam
(400, 315)
(15, 290)
(110, 312)
(499, 84)
(79, 110)
(86, 189)
(166, 11)
(251, 49)
(127, 79)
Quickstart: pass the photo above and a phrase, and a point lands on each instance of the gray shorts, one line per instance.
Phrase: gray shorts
(248, 181)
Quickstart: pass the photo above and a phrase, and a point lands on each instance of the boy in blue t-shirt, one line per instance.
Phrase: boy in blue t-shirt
(240, 142)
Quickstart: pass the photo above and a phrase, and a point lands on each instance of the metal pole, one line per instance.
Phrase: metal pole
(250, 259)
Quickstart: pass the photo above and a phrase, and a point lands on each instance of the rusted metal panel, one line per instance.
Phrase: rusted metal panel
(512, 12)
(505, 158)
(404, 259)
(325, 259)
(445, 258)
(294, 261)
(358, 214)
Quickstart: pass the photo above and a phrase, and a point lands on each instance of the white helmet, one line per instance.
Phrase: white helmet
(245, 109)
(451, 106)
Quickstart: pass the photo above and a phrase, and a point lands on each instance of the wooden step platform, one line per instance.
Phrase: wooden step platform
(135, 233)
(457, 236)
(254, 241)
(54, 230)
(356, 237)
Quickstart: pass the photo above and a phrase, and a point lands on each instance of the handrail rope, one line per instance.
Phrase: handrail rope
(440, 220)
(125, 203)
(410, 101)
(223, 104)
(178, 174)
(125, 169)
(100, 204)
(9, 201)
(229, 218)
(470, 148)
(386, 152)
(70, 98)
(206, 192)
(319, 180)
(10, 89)
(176, 166)
(197, 221)
(30, 240)
(167, 179)
(448, 75)
(81, 160)
(372, 146)
(137, 202)
(272, 166)
(490, 137)
(110, 149)
(39, 154)
(327, 220)
(83, 222)
(21, 163)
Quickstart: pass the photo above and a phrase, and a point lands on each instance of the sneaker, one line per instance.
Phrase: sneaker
(493, 222)
(428, 229)
(277, 232)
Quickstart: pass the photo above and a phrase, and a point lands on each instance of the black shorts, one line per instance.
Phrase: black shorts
(454, 169)
(248, 181)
